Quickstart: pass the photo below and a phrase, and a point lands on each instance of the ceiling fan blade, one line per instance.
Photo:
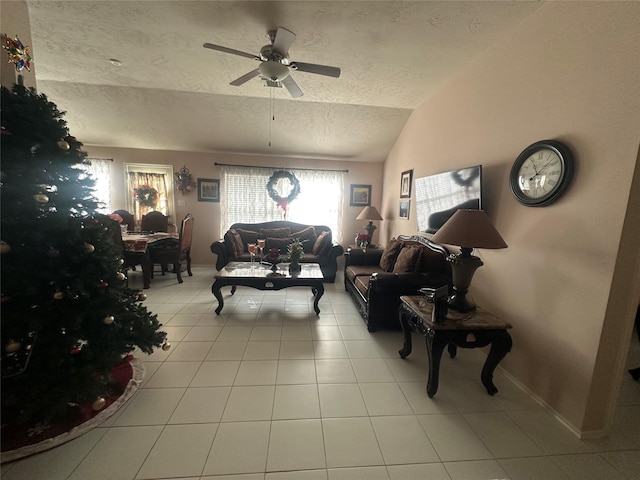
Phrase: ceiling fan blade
(220, 48)
(283, 40)
(245, 78)
(318, 69)
(293, 87)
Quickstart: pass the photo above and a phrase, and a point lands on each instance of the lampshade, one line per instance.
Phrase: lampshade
(470, 229)
(274, 71)
(369, 213)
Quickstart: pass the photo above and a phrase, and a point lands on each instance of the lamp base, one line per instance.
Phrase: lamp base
(463, 266)
(370, 228)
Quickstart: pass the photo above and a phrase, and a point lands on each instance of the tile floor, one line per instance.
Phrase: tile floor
(269, 391)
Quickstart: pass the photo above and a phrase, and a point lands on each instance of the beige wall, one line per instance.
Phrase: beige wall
(570, 72)
(206, 214)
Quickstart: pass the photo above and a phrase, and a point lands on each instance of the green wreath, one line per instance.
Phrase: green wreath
(275, 196)
(146, 196)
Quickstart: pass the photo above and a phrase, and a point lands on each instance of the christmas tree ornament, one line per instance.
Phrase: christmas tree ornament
(108, 320)
(41, 198)
(121, 261)
(87, 247)
(4, 247)
(75, 350)
(12, 346)
(142, 297)
(103, 284)
(166, 346)
(121, 276)
(63, 145)
(58, 295)
(98, 404)
(19, 55)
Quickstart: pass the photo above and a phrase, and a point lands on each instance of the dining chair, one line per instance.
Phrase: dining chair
(176, 253)
(127, 219)
(155, 222)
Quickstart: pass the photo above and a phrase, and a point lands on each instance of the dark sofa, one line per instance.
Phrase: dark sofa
(377, 279)
(317, 243)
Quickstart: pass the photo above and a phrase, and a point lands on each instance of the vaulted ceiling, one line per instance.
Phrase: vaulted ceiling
(170, 93)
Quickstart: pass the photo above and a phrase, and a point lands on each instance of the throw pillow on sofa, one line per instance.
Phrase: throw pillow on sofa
(247, 236)
(279, 243)
(308, 238)
(323, 243)
(235, 242)
(275, 232)
(390, 254)
(408, 260)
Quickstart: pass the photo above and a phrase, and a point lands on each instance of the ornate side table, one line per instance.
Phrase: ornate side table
(465, 330)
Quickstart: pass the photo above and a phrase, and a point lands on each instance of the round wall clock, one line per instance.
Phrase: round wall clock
(541, 173)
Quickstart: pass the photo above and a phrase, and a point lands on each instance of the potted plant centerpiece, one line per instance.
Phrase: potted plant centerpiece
(295, 251)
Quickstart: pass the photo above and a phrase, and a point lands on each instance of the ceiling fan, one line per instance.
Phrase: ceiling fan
(275, 67)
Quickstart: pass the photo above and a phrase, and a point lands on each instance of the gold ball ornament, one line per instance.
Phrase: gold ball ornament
(108, 320)
(58, 295)
(99, 403)
(142, 297)
(5, 247)
(121, 276)
(41, 198)
(63, 145)
(121, 261)
(12, 346)
(166, 346)
(87, 247)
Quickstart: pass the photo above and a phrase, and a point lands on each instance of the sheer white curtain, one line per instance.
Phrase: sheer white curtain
(99, 169)
(245, 199)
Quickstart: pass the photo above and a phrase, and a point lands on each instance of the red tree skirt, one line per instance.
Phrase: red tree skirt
(21, 440)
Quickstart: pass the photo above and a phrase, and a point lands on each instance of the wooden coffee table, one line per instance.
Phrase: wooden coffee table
(262, 277)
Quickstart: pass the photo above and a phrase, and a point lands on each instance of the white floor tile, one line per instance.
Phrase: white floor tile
(371, 370)
(476, 470)
(295, 402)
(227, 351)
(181, 450)
(173, 374)
(329, 349)
(335, 371)
(350, 442)
(150, 406)
(422, 471)
(296, 349)
(402, 440)
(215, 374)
(359, 473)
(262, 350)
(502, 436)
(384, 399)
(296, 372)
(239, 448)
(296, 445)
(453, 438)
(249, 403)
(341, 400)
(257, 372)
(201, 405)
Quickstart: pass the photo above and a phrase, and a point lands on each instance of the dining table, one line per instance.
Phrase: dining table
(137, 245)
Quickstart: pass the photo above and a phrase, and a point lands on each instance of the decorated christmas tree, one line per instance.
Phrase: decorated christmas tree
(68, 317)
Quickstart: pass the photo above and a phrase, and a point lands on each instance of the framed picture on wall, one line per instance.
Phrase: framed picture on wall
(404, 209)
(405, 184)
(208, 190)
(360, 195)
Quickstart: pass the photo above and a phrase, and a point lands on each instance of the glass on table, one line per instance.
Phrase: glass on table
(261, 244)
(253, 249)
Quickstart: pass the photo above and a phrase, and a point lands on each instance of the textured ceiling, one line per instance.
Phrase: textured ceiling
(170, 93)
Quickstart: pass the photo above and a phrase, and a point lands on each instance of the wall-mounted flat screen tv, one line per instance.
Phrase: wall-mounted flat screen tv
(439, 196)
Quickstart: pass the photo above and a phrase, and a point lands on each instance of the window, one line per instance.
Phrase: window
(149, 187)
(99, 169)
(245, 198)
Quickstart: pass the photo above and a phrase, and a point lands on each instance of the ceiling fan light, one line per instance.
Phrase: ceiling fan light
(274, 71)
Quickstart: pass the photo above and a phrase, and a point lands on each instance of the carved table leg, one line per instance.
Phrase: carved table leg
(318, 291)
(500, 345)
(215, 289)
(406, 330)
(435, 347)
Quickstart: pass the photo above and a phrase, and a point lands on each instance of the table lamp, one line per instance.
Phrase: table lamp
(468, 229)
(369, 213)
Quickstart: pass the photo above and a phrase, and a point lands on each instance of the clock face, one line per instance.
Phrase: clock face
(541, 173)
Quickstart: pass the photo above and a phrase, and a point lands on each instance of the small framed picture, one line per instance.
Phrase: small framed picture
(208, 190)
(360, 195)
(404, 209)
(405, 184)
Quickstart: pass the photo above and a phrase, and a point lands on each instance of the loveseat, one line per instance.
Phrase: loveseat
(316, 240)
(377, 278)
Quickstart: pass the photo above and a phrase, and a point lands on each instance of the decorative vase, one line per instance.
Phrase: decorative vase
(294, 266)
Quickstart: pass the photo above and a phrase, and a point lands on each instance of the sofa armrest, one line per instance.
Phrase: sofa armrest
(356, 256)
(405, 283)
(335, 251)
(220, 249)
